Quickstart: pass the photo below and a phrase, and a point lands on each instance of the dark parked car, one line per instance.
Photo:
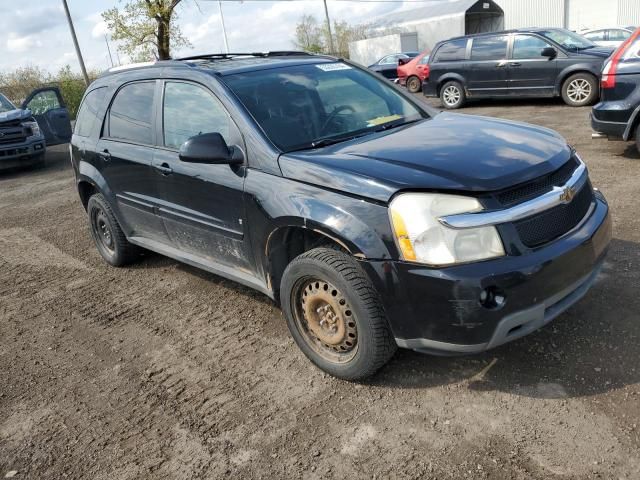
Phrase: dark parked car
(541, 62)
(373, 220)
(388, 66)
(24, 131)
(617, 115)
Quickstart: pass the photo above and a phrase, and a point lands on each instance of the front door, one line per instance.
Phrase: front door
(529, 72)
(48, 108)
(202, 205)
(124, 158)
(488, 72)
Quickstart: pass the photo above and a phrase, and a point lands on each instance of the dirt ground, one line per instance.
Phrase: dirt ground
(160, 371)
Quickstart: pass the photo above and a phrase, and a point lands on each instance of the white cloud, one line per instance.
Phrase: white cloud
(22, 44)
(99, 29)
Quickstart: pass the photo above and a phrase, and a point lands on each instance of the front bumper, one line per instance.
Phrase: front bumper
(21, 154)
(439, 310)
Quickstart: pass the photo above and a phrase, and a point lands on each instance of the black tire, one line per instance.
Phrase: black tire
(580, 90)
(414, 85)
(39, 160)
(452, 95)
(107, 234)
(638, 137)
(359, 323)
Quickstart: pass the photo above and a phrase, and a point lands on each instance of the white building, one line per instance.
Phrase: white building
(439, 20)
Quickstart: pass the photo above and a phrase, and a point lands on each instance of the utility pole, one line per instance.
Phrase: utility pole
(106, 40)
(326, 14)
(224, 30)
(75, 42)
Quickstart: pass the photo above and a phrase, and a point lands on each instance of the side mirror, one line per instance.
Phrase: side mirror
(549, 52)
(208, 148)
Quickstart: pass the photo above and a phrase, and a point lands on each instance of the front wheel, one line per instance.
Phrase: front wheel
(334, 314)
(413, 84)
(452, 95)
(580, 90)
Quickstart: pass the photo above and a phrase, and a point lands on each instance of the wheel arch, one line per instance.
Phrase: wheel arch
(572, 70)
(448, 77)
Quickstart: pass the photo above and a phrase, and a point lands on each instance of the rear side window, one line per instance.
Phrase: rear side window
(190, 110)
(598, 36)
(131, 113)
(618, 35)
(88, 113)
(489, 48)
(452, 51)
(528, 47)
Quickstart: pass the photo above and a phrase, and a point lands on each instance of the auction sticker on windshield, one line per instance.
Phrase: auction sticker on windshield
(330, 67)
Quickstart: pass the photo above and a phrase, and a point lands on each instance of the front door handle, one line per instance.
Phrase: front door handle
(515, 64)
(105, 155)
(164, 168)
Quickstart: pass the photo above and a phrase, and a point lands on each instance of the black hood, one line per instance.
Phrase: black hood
(448, 152)
(600, 52)
(13, 115)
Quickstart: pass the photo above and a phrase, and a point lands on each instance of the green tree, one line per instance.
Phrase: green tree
(313, 36)
(147, 29)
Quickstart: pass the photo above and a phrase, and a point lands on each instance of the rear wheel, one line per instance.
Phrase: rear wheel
(334, 314)
(413, 84)
(580, 90)
(452, 95)
(638, 137)
(107, 234)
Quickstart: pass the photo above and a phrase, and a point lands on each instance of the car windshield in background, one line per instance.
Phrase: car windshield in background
(309, 106)
(5, 105)
(568, 40)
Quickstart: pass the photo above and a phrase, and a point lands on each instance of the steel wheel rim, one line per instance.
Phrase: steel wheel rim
(579, 90)
(413, 84)
(102, 229)
(325, 320)
(451, 95)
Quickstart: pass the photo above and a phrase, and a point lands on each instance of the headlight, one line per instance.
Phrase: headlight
(422, 238)
(35, 128)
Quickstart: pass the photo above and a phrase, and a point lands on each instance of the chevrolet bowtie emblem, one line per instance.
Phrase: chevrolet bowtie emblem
(1, 134)
(567, 194)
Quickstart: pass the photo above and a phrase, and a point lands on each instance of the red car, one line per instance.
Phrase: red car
(414, 72)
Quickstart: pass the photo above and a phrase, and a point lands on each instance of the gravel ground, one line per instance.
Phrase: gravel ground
(161, 371)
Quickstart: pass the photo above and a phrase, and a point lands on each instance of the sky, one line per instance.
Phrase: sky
(37, 34)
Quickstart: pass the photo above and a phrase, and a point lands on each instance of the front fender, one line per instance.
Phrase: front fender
(577, 68)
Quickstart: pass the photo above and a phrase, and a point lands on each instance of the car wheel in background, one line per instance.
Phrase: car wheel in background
(107, 234)
(638, 137)
(414, 85)
(452, 95)
(334, 314)
(580, 90)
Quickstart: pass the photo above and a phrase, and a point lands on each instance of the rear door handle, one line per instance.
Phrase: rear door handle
(105, 155)
(515, 64)
(164, 168)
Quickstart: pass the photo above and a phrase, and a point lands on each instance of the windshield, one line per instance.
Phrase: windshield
(308, 106)
(5, 105)
(567, 39)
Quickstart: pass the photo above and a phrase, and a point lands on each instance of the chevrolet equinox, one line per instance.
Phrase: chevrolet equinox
(373, 220)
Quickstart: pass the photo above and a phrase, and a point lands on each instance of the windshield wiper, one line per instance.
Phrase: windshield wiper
(387, 126)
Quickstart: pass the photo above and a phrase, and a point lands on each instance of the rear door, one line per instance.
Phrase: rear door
(125, 154)
(488, 73)
(48, 108)
(202, 205)
(529, 72)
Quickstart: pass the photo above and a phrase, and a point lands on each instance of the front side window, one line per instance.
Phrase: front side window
(131, 113)
(528, 47)
(191, 110)
(88, 113)
(489, 48)
(307, 106)
(453, 51)
(5, 104)
(43, 102)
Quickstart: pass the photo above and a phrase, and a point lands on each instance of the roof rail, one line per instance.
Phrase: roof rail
(281, 53)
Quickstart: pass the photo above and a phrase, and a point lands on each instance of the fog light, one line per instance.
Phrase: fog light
(37, 146)
(492, 298)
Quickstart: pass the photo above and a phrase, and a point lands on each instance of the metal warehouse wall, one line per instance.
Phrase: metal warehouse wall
(629, 12)
(533, 13)
(593, 13)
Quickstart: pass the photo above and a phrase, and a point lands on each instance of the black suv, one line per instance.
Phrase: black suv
(372, 219)
(541, 62)
(617, 116)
